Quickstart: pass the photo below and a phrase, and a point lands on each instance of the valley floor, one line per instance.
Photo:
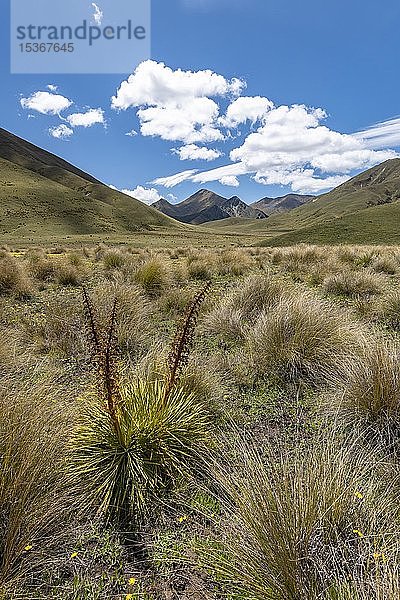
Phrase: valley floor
(191, 422)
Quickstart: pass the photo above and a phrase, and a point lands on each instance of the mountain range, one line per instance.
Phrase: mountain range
(205, 206)
(43, 196)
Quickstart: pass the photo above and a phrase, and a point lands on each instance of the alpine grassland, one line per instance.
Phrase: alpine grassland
(199, 423)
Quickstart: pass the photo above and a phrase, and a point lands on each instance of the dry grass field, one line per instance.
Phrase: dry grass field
(200, 423)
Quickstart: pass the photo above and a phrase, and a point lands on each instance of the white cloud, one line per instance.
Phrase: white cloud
(176, 105)
(97, 15)
(131, 133)
(61, 132)
(193, 152)
(87, 119)
(381, 135)
(219, 173)
(155, 84)
(285, 145)
(146, 195)
(292, 142)
(52, 88)
(173, 180)
(246, 108)
(46, 103)
(230, 180)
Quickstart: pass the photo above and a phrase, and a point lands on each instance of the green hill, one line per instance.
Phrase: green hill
(43, 195)
(375, 225)
(365, 209)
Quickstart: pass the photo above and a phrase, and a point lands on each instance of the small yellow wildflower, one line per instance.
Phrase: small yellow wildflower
(27, 548)
(129, 597)
(358, 495)
(132, 581)
(379, 555)
(74, 555)
(358, 532)
(181, 519)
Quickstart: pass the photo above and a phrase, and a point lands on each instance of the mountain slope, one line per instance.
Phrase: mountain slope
(43, 194)
(379, 185)
(375, 225)
(282, 204)
(205, 206)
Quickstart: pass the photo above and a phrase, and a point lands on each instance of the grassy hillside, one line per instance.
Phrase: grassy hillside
(42, 194)
(375, 225)
(365, 209)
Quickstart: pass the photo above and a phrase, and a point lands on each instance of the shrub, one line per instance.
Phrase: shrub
(353, 283)
(137, 440)
(302, 337)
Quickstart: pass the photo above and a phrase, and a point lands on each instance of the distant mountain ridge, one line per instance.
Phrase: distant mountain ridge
(205, 206)
(282, 204)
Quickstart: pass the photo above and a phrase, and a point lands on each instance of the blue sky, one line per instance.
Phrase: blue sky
(281, 88)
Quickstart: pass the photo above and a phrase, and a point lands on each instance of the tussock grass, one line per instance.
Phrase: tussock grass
(242, 306)
(352, 284)
(113, 260)
(371, 395)
(133, 332)
(152, 276)
(13, 278)
(385, 264)
(294, 529)
(34, 498)
(388, 310)
(301, 338)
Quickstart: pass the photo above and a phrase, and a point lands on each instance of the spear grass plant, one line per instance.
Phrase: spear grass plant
(139, 439)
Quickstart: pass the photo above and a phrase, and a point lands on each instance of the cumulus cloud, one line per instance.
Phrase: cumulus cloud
(193, 152)
(292, 147)
(246, 108)
(146, 195)
(230, 180)
(131, 133)
(176, 105)
(292, 142)
(61, 132)
(46, 103)
(87, 119)
(51, 87)
(97, 15)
